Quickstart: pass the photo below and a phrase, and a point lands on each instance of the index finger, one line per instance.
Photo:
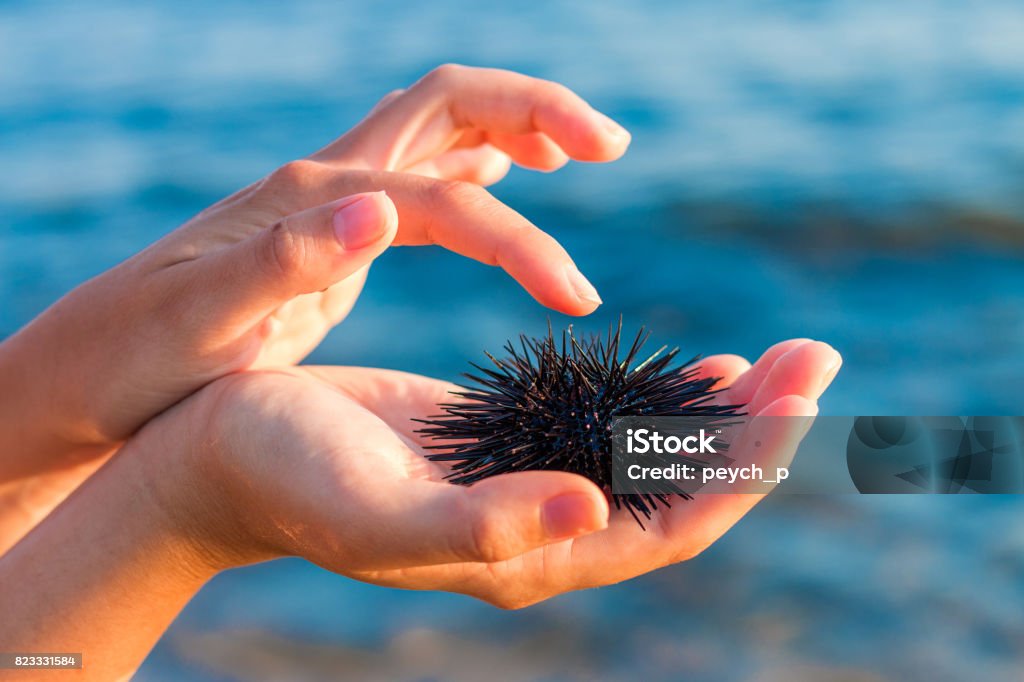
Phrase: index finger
(461, 217)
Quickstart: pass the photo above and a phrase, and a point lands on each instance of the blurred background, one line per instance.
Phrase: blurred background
(845, 170)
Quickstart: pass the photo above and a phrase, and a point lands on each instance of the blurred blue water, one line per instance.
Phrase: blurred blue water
(848, 171)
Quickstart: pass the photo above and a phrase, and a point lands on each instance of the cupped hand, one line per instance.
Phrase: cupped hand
(258, 279)
(325, 463)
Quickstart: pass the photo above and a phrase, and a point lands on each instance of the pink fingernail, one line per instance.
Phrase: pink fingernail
(582, 286)
(610, 126)
(571, 515)
(359, 223)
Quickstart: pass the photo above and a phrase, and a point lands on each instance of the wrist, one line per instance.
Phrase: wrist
(184, 461)
(31, 425)
(41, 462)
(46, 413)
(170, 510)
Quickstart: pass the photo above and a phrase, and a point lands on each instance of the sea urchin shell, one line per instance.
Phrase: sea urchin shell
(550, 403)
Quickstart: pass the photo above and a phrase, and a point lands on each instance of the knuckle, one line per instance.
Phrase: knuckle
(295, 175)
(521, 237)
(387, 99)
(455, 192)
(490, 538)
(555, 90)
(444, 74)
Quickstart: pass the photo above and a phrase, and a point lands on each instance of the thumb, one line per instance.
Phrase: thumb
(303, 253)
(493, 520)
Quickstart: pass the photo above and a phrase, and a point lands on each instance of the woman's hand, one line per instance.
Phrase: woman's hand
(325, 463)
(785, 382)
(259, 278)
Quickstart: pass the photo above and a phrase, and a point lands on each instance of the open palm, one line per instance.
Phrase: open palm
(331, 454)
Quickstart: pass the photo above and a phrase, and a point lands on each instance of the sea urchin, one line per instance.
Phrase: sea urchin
(549, 405)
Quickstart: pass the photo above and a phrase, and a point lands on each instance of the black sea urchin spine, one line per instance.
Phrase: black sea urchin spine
(550, 403)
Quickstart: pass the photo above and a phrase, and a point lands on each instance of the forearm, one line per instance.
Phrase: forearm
(56, 375)
(27, 501)
(103, 575)
(28, 441)
(40, 463)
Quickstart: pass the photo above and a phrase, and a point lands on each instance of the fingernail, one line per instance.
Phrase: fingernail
(571, 515)
(583, 288)
(610, 126)
(358, 223)
(830, 374)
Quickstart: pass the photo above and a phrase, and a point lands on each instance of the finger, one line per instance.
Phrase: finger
(688, 527)
(336, 301)
(743, 388)
(533, 150)
(304, 312)
(305, 252)
(725, 368)
(806, 370)
(470, 137)
(431, 522)
(682, 531)
(428, 118)
(366, 505)
(482, 165)
(466, 219)
(461, 217)
(770, 441)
